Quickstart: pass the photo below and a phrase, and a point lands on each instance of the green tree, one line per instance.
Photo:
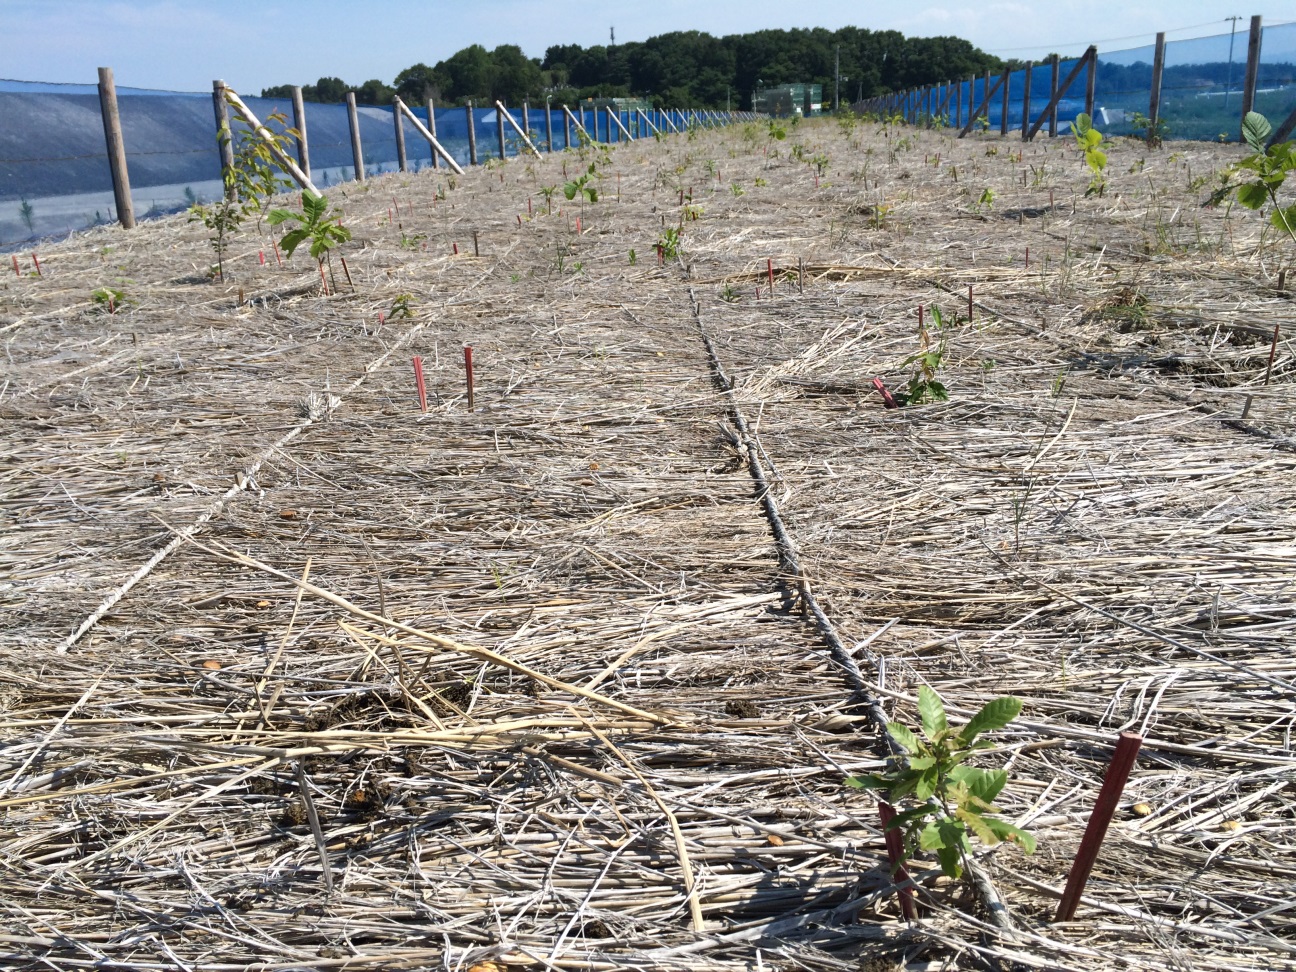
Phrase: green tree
(415, 80)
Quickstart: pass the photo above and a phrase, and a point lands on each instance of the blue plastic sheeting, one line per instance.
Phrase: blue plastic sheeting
(1201, 89)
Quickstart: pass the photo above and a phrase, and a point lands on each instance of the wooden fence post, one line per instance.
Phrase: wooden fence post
(1055, 63)
(224, 135)
(499, 127)
(548, 126)
(357, 150)
(116, 148)
(1026, 107)
(1091, 80)
(1252, 68)
(1154, 103)
(402, 161)
(299, 123)
(437, 147)
(1003, 117)
(431, 123)
(472, 135)
(566, 127)
(526, 118)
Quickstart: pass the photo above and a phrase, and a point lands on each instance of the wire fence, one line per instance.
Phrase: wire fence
(1204, 86)
(55, 175)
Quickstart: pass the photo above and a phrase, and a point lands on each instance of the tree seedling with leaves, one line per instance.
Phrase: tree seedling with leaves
(925, 384)
(580, 187)
(1262, 174)
(1090, 141)
(317, 224)
(950, 799)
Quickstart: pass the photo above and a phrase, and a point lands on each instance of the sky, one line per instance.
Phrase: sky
(183, 45)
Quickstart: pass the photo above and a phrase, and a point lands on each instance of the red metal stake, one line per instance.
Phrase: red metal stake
(578, 228)
(38, 269)
(887, 399)
(519, 216)
(1118, 772)
(418, 381)
(323, 279)
(769, 268)
(895, 852)
(456, 248)
(17, 272)
(262, 252)
(468, 370)
(396, 205)
(389, 217)
(969, 303)
(920, 317)
(529, 211)
(1028, 258)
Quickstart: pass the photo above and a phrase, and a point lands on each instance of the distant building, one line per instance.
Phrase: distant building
(786, 100)
(617, 104)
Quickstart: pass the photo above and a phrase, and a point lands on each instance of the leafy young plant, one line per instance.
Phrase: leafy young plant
(1153, 134)
(668, 244)
(580, 187)
(315, 223)
(950, 799)
(925, 384)
(109, 297)
(985, 200)
(1090, 141)
(1262, 174)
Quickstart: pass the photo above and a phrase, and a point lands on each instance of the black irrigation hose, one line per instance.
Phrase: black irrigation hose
(790, 563)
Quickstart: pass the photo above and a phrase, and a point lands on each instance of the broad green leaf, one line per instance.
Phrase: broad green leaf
(1092, 138)
(995, 714)
(1284, 219)
(931, 839)
(901, 820)
(902, 735)
(1083, 123)
(1256, 129)
(1252, 195)
(569, 190)
(949, 861)
(984, 784)
(1006, 831)
(932, 712)
(977, 824)
(592, 193)
(927, 784)
(292, 240)
(871, 781)
(277, 216)
(1097, 159)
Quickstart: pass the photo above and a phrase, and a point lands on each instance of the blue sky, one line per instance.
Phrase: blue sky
(185, 44)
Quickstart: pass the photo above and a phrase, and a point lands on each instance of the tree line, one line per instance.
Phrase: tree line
(683, 69)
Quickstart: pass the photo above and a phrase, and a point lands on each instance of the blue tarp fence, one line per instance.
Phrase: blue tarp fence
(54, 174)
(1201, 89)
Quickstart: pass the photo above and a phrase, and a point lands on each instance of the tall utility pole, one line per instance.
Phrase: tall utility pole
(1228, 85)
(837, 81)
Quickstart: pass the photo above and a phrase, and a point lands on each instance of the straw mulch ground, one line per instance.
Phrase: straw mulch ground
(298, 677)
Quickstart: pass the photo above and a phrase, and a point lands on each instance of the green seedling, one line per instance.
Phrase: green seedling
(985, 200)
(1262, 174)
(668, 244)
(925, 384)
(402, 307)
(108, 297)
(548, 193)
(1091, 143)
(412, 242)
(580, 187)
(951, 800)
(316, 224)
